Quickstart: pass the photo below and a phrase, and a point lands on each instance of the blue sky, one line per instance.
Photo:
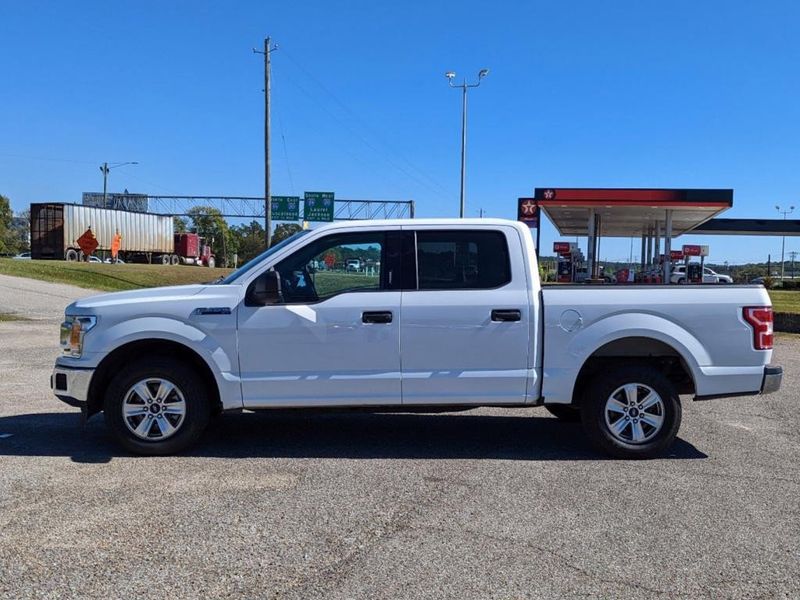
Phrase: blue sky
(605, 94)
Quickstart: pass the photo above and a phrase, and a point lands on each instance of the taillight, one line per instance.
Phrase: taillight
(760, 319)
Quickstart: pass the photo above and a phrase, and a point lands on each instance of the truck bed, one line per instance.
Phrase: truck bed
(702, 324)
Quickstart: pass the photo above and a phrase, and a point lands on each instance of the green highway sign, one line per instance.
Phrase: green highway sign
(318, 206)
(286, 208)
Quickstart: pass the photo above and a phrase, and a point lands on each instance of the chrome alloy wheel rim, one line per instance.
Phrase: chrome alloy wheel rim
(634, 413)
(154, 409)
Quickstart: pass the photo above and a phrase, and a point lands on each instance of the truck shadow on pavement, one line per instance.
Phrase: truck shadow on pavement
(353, 435)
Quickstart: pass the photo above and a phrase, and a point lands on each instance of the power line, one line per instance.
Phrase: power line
(286, 154)
(344, 148)
(431, 181)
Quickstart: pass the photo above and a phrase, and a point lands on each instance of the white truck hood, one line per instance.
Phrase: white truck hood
(176, 295)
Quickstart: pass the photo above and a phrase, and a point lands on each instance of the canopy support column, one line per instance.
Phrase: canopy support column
(668, 246)
(644, 250)
(590, 257)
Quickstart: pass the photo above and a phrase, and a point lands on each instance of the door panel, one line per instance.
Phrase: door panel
(332, 336)
(453, 351)
(321, 354)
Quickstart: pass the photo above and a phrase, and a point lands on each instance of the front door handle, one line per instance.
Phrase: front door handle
(499, 314)
(378, 316)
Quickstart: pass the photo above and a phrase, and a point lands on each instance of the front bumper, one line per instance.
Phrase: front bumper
(71, 385)
(772, 379)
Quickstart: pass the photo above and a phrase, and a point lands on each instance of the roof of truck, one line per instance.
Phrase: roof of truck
(416, 223)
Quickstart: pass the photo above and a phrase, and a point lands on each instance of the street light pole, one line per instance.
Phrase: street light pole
(105, 168)
(783, 238)
(464, 87)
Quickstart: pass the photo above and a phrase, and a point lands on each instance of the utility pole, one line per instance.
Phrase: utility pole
(268, 49)
(105, 168)
(793, 255)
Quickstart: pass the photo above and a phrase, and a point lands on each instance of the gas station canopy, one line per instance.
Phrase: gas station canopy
(629, 212)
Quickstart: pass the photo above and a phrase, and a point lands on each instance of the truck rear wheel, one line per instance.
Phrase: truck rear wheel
(565, 412)
(174, 260)
(156, 406)
(631, 412)
(165, 259)
(71, 255)
(211, 262)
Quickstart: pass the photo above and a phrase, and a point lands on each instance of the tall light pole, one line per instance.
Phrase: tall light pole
(105, 168)
(464, 87)
(268, 49)
(783, 239)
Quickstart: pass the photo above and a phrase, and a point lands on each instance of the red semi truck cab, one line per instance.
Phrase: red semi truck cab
(193, 250)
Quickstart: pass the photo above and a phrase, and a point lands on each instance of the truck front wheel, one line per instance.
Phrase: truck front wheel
(631, 412)
(156, 406)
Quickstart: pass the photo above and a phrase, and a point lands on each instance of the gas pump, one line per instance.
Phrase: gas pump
(569, 260)
(694, 273)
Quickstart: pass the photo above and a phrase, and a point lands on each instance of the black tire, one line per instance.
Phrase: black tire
(189, 384)
(596, 424)
(165, 259)
(71, 255)
(681, 281)
(565, 412)
(211, 262)
(174, 260)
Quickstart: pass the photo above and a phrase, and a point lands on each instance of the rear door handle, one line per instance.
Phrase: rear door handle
(499, 314)
(379, 316)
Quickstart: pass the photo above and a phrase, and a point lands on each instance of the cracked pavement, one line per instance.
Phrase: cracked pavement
(489, 503)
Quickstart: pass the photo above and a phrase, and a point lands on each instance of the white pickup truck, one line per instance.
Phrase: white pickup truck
(453, 317)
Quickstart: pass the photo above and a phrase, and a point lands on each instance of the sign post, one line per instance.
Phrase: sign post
(528, 213)
(318, 206)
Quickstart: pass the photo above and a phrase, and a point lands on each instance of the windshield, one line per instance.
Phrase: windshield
(254, 262)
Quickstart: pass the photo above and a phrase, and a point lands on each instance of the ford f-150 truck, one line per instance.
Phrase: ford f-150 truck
(452, 317)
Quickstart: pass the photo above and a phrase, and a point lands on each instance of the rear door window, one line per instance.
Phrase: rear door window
(462, 260)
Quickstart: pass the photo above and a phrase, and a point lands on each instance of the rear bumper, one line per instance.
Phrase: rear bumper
(770, 382)
(773, 376)
(71, 385)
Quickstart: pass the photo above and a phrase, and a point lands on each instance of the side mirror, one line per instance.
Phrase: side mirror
(265, 290)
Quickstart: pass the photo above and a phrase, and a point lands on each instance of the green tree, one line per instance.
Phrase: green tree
(180, 225)
(249, 240)
(283, 231)
(18, 237)
(6, 217)
(209, 224)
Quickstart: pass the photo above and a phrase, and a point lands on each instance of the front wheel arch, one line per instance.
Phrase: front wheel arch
(127, 353)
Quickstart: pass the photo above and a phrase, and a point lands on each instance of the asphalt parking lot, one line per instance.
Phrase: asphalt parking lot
(483, 504)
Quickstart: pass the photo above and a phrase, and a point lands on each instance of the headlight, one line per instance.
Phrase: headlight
(73, 330)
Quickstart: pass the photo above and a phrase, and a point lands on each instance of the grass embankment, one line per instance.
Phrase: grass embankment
(785, 301)
(111, 278)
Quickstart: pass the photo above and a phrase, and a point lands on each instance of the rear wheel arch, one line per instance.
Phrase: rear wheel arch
(635, 350)
(144, 349)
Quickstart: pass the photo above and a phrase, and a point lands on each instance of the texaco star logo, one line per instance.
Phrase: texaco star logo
(528, 208)
(549, 194)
